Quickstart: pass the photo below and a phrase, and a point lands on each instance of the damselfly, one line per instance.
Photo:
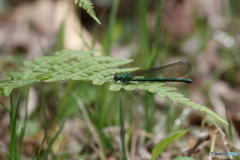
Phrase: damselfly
(168, 73)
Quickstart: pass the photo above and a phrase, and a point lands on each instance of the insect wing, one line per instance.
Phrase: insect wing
(173, 70)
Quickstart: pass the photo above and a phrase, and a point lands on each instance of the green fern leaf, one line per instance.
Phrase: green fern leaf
(68, 64)
(164, 91)
(84, 65)
(115, 87)
(7, 90)
(15, 75)
(88, 6)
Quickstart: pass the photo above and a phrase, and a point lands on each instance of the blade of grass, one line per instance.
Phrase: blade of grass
(122, 128)
(38, 152)
(90, 126)
(23, 127)
(43, 104)
(60, 36)
(113, 15)
(5, 149)
(5, 107)
(143, 6)
(13, 124)
(156, 40)
(48, 149)
(149, 110)
(157, 150)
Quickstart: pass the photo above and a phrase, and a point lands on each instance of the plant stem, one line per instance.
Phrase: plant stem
(122, 128)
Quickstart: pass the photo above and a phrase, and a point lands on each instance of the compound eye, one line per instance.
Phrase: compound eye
(116, 77)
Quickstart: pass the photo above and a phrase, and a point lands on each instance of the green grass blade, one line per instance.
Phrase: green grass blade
(113, 15)
(4, 149)
(143, 6)
(5, 107)
(155, 50)
(157, 150)
(49, 147)
(90, 125)
(13, 151)
(122, 128)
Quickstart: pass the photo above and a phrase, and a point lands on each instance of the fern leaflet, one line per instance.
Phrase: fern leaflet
(88, 6)
(165, 91)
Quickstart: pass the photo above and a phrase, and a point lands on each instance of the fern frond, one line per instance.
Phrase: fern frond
(88, 6)
(73, 65)
(84, 65)
(165, 91)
